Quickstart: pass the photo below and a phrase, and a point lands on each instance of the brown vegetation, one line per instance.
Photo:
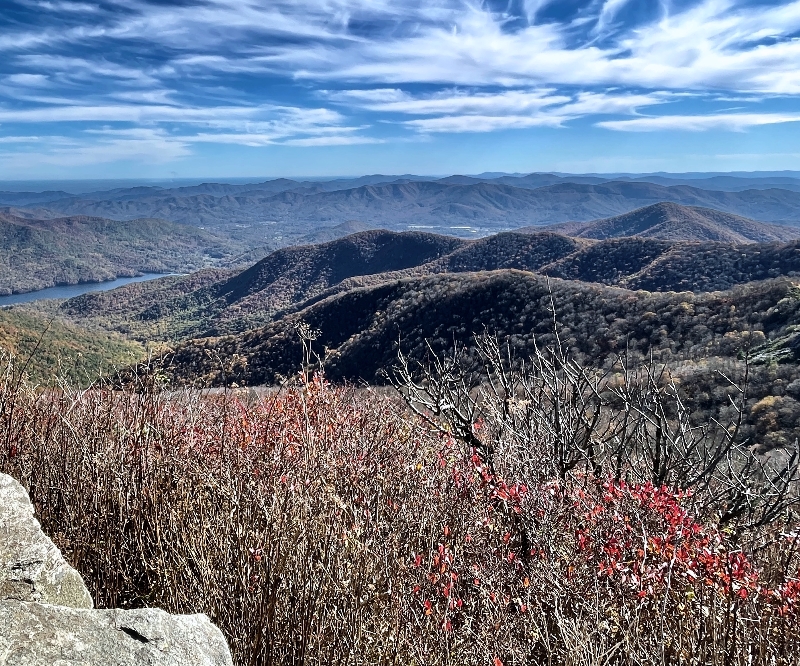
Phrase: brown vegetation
(321, 525)
(699, 336)
(232, 301)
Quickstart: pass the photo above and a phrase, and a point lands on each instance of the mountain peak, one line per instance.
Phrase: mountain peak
(671, 221)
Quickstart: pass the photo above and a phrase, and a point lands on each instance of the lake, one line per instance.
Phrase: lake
(72, 290)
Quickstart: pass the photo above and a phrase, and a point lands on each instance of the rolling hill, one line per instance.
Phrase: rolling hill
(360, 328)
(671, 221)
(43, 253)
(698, 336)
(212, 301)
(227, 301)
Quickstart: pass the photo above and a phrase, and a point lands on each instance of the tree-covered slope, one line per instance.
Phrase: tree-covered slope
(220, 302)
(671, 221)
(48, 349)
(43, 253)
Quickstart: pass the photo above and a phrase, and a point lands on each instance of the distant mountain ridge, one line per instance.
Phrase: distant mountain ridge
(281, 212)
(342, 230)
(671, 221)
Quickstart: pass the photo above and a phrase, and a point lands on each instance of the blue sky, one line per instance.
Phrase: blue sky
(216, 88)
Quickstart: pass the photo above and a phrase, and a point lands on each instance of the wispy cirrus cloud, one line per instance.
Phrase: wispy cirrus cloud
(714, 44)
(447, 102)
(487, 112)
(20, 139)
(314, 73)
(736, 122)
(317, 141)
(481, 124)
(154, 146)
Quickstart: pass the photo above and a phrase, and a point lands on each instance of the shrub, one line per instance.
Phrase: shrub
(319, 524)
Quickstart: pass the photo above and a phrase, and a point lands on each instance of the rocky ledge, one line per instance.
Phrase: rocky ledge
(46, 614)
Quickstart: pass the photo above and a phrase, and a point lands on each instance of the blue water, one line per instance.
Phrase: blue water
(73, 290)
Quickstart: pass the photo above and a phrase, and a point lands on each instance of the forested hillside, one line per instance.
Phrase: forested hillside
(671, 221)
(46, 349)
(218, 302)
(361, 330)
(43, 253)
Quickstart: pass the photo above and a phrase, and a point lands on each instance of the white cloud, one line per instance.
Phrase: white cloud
(607, 14)
(597, 103)
(714, 44)
(34, 80)
(736, 122)
(152, 146)
(477, 123)
(126, 135)
(331, 141)
(369, 98)
(20, 139)
(216, 116)
(479, 70)
(122, 113)
(82, 7)
(454, 102)
(72, 68)
(322, 137)
(706, 47)
(510, 109)
(533, 7)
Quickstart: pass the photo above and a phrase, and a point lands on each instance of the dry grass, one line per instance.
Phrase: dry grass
(328, 525)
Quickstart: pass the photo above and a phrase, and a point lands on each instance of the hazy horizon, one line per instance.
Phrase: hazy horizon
(85, 185)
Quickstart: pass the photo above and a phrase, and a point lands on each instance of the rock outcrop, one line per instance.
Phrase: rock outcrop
(46, 614)
(31, 567)
(34, 634)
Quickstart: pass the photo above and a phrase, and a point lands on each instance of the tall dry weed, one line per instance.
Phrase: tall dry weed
(328, 525)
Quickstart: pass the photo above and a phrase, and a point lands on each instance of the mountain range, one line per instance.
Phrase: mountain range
(360, 329)
(282, 211)
(219, 302)
(694, 276)
(693, 286)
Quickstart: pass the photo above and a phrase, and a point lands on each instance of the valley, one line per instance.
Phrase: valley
(694, 288)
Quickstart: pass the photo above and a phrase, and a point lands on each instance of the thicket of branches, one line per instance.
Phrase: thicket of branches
(507, 511)
(557, 418)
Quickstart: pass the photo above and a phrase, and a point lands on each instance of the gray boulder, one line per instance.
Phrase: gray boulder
(37, 635)
(31, 567)
(46, 615)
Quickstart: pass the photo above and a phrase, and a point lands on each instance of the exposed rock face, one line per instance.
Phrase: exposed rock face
(46, 615)
(31, 567)
(36, 634)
